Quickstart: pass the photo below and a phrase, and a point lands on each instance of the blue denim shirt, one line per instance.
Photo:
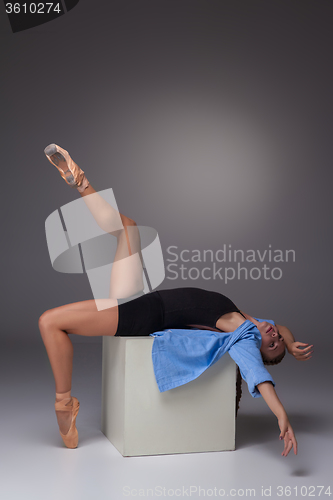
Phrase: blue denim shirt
(180, 356)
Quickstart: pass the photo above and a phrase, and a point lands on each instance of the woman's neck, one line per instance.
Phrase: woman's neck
(230, 322)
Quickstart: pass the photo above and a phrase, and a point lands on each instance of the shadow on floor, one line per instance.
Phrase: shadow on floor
(253, 429)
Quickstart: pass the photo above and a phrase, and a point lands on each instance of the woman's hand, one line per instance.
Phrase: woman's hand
(300, 351)
(288, 435)
(267, 391)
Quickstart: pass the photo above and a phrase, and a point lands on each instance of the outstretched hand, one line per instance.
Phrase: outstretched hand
(300, 351)
(288, 435)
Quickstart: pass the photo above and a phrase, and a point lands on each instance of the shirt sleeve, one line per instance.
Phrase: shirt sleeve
(247, 356)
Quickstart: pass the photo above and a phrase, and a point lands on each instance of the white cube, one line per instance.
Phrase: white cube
(139, 420)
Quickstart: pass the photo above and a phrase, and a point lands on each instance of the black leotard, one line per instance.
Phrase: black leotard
(176, 308)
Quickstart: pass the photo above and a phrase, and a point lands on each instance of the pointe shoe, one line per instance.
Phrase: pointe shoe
(69, 170)
(71, 438)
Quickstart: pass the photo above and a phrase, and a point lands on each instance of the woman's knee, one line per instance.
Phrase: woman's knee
(46, 320)
(114, 229)
(127, 221)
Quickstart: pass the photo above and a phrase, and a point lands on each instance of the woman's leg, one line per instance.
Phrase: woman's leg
(127, 269)
(80, 318)
(110, 221)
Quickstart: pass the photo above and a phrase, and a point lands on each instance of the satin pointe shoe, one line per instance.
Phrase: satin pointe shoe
(68, 169)
(71, 438)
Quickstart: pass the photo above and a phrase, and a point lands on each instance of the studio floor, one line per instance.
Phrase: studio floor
(35, 465)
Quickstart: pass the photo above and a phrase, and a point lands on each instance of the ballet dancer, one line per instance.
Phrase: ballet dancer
(188, 308)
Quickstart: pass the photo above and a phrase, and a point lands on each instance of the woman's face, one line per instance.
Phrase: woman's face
(272, 344)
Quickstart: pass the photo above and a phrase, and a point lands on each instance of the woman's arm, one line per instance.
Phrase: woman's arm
(301, 351)
(267, 391)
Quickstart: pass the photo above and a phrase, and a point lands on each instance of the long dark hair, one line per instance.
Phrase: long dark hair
(238, 389)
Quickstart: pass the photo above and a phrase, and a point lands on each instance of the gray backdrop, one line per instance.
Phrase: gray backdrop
(210, 120)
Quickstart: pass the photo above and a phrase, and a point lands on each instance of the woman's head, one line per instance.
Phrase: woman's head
(273, 347)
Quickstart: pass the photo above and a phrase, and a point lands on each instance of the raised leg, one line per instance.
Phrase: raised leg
(127, 269)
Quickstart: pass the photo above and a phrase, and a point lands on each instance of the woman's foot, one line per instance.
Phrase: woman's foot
(69, 170)
(66, 411)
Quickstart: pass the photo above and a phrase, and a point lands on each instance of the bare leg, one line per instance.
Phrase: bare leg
(81, 318)
(106, 216)
(127, 269)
